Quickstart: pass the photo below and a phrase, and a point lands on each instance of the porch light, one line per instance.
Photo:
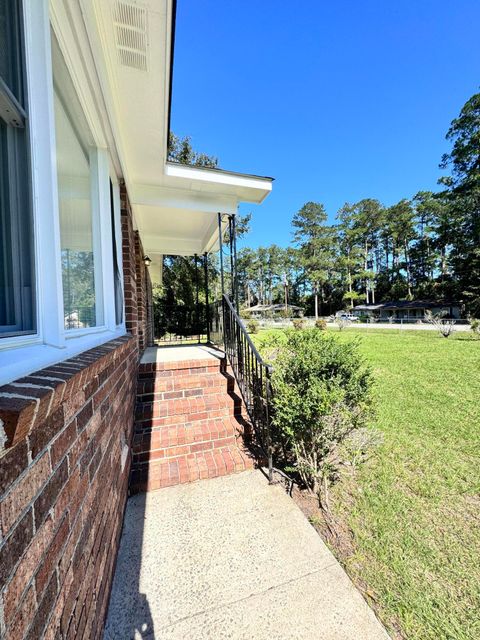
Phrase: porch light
(147, 260)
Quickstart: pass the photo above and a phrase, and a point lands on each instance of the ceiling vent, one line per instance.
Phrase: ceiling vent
(130, 22)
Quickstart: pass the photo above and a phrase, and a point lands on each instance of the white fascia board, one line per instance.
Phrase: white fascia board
(155, 196)
(243, 182)
(155, 244)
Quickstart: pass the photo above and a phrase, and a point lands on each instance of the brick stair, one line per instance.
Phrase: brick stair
(189, 424)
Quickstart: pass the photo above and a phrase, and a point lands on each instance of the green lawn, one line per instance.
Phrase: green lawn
(414, 508)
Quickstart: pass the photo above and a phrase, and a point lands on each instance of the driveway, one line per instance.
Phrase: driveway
(230, 557)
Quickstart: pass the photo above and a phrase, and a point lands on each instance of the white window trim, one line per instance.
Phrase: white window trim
(118, 239)
(22, 355)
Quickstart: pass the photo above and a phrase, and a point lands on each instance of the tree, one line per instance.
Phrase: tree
(181, 150)
(316, 242)
(350, 254)
(367, 223)
(463, 193)
(403, 232)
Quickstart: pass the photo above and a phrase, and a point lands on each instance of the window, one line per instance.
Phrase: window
(17, 291)
(117, 281)
(76, 210)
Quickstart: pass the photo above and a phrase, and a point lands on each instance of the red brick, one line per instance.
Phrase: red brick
(44, 610)
(47, 498)
(17, 415)
(44, 432)
(24, 571)
(51, 556)
(22, 494)
(13, 462)
(25, 613)
(14, 546)
(63, 442)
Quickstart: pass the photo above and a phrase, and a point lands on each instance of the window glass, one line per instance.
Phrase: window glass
(10, 47)
(16, 228)
(75, 206)
(117, 282)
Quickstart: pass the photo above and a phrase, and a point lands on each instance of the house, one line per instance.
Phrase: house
(408, 309)
(87, 201)
(274, 310)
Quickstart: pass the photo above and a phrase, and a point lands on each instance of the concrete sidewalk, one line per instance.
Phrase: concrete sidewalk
(230, 557)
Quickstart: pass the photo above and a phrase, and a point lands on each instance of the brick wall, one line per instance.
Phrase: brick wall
(137, 283)
(64, 485)
(64, 468)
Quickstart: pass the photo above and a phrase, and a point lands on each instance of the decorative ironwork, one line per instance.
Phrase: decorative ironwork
(251, 372)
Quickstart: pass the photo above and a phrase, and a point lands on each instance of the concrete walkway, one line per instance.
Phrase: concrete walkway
(231, 558)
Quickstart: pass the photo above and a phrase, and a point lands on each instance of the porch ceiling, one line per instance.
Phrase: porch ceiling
(175, 207)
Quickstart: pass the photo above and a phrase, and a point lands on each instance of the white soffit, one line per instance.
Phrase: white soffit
(175, 206)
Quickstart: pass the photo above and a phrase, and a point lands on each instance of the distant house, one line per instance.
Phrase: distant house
(409, 309)
(266, 310)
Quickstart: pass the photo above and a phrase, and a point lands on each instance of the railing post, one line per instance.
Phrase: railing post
(235, 276)
(269, 430)
(220, 248)
(197, 315)
(207, 307)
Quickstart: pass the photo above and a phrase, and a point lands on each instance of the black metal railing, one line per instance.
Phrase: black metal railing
(176, 323)
(251, 372)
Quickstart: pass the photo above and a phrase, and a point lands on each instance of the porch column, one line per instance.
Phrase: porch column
(220, 245)
(207, 306)
(197, 315)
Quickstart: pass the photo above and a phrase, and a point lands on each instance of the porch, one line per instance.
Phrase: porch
(230, 557)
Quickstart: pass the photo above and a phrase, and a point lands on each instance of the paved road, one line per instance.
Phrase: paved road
(407, 326)
(233, 558)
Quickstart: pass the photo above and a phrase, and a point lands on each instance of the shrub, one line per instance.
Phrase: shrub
(321, 324)
(246, 314)
(445, 326)
(321, 395)
(475, 326)
(252, 326)
(298, 323)
(342, 323)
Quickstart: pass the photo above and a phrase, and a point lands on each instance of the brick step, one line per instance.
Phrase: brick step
(189, 468)
(183, 386)
(186, 432)
(192, 409)
(191, 437)
(150, 370)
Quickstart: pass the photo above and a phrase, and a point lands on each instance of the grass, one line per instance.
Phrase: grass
(414, 508)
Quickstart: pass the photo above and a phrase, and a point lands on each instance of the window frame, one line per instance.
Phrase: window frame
(18, 187)
(51, 342)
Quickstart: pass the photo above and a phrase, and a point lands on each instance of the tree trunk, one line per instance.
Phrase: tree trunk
(407, 269)
(365, 266)
(350, 290)
(316, 301)
(443, 262)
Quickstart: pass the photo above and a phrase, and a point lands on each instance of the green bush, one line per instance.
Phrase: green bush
(475, 326)
(321, 395)
(298, 323)
(321, 324)
(246, 314)
(252, 326)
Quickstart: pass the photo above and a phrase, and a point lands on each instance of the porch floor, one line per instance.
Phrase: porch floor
(230, 557)
(177, 353)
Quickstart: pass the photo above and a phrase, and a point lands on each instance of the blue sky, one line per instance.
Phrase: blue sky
(338, 100)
